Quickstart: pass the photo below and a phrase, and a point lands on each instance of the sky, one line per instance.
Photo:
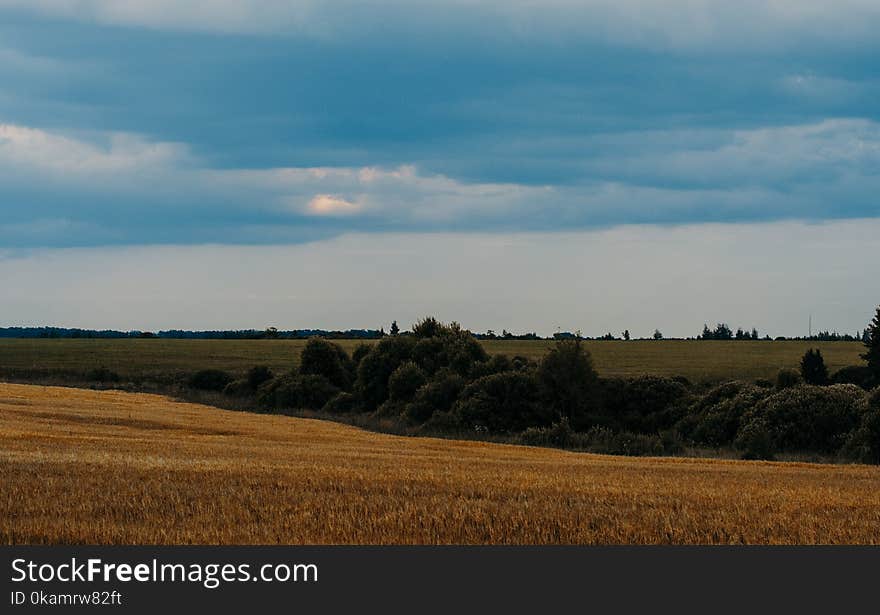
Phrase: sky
(496, 161)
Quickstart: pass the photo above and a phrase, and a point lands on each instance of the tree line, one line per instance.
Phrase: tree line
(438, 379)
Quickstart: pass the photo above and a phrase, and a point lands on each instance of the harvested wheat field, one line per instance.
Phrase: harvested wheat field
(81, 466)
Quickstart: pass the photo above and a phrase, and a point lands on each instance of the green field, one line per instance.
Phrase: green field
(142, 358)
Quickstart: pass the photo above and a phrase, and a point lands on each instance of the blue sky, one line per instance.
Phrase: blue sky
(259, 121)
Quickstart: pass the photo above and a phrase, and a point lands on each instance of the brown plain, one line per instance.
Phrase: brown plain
(80, 466)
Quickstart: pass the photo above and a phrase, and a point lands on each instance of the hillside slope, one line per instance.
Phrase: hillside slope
(80, 466)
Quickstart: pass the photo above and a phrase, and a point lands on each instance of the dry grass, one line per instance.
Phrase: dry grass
(140, 358)
(82, 466)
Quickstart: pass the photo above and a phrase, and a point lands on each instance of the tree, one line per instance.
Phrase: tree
(567, 379)
(755, 333)
(626, 335)
(872, 343)
(722, 332)
(394, 328)
(707, 333)
(323, 358)
(813, 368)
(657, 334)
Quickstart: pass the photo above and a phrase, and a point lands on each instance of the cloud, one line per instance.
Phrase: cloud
(270, 121)
(329, 205)
(26, 147)
(647, 23)
(124, 188)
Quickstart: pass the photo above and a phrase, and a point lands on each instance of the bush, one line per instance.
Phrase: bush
(428, 327)
(102, 374)
(755, 441)
(210, 380)
(788, 378)
(342, 403)
(360, 351)
(567, 381)
(495, 365)
(645, 404)
(559, 434)
(502, 403)
(449, 347)
(438, 395)
(813, 369)
(297, 391)
(323, 358)
(715, 419)
(863, 443)
(258, 375)
(859, 375)
(404, 382)
(810, 418)
(238, 388)
(376, 368)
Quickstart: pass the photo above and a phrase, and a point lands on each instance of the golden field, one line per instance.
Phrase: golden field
(80, 466)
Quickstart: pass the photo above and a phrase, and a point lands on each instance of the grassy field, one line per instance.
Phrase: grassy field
(80, 466)
(138, 358)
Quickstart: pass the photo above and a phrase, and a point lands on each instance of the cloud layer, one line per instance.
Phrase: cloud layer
(262, 121)
(100, 186)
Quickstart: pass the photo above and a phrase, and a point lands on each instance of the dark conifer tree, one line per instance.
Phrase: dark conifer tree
(813, 368)
(872, 343)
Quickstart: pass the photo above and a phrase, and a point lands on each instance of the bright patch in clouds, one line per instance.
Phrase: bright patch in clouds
(329, 205)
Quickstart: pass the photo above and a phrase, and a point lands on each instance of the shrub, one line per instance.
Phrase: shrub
(787, 378)
(438, 395)
(238, 388)
(672, 442)
(342, 403)
(715, 419)
(755, 441)
(297, 391)
(559, 433)
(323, 358)
(495, 365)
(315, 391)
(813, 368)
(428, 327)
(210, 380)
(258, 375)
(643, 404)
(449, 346)
(859, 375)
(521, 363)
(633, 444)
(404, 382)
(444, 422)
(360, 351)
(567, 381)
(502, 403)
(376, 368)
(810, 418)
(102, 374)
